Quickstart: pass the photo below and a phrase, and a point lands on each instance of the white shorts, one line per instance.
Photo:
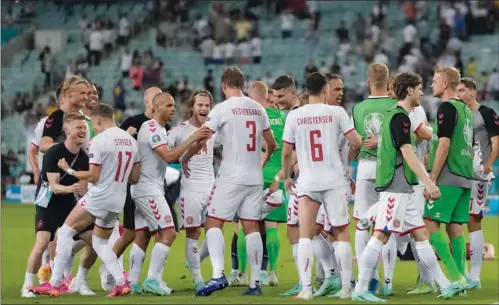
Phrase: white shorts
(193, 206)
(152, 213)
(322, 219)
(103, 219)
(229, 200)
(419, 200)
(365, 197)
(292, 210)
(398, 213)
(479, 191)
(335, 205)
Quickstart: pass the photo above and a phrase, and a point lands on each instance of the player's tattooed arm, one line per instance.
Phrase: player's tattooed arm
(92, 175)
(57, 188)
(271, 146)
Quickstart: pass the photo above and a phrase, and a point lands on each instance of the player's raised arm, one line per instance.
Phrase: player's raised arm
(171, 156)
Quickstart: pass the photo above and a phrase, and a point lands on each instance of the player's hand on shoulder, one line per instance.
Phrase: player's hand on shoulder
(132, 130)
(371, 142)
(62, 164)
(289, 184)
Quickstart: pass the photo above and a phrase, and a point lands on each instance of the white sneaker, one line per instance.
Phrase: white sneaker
(346, 293)
(273, 280)
(85, 289)
(306, 295)
(165, 287)
(25, 293)
(106, 279)
(75, 285)
(241, 280)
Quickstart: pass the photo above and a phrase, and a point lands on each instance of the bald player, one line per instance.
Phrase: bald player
(152, 213)
(132, 126)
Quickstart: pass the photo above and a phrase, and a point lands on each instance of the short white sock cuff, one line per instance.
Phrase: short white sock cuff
(138, 249)
(479, 232)
(305, 241)
(67, 230)
(422, 244)
(162, 246)
(251, 235)
(375, 244)
(213, 231)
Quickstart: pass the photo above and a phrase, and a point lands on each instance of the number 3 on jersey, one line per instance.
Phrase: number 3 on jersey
(120, 163)
(316, 148)
(251, 125)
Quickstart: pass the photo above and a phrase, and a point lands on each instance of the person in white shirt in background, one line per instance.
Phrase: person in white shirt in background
(230, 52)
(123, 30)
(244, 51)
(218, 53)
(126, 62)
(410, 33)
(108, 36)
(207, 48)
(256, 49)
(83, 22)
(96, 45)
(287, 20)
(381, 58)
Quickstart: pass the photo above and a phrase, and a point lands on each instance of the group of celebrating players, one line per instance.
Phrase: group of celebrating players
(92, 171)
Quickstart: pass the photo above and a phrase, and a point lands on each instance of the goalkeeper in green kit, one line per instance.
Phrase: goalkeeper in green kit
(258, 91)
(451, 163)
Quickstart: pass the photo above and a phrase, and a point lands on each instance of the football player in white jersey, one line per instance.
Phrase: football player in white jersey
(152, 213)
(197, 179)
(314, 130)
(104, 200)
(239, 123)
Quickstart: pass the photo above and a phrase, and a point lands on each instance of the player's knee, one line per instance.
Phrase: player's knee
(381, 236)
(167, 237)
(318, 229)
(342, 234)
(293, 234)
(128, 236)
(454, 230)
(193, 233)
(474, 223)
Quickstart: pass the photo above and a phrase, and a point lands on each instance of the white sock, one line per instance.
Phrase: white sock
(305, 262)
(29, 279)
(216, 246)
(319, 269)
(368, 261)
(192, 254)
(137, 256)
(82, 274)
(294, 248)
(334, 245)
(69, 267)
(424, 274)
(429, 261)
(63, 251)
(476, 247)
(106, 254)
(361, 239)
(51, 263)
(115, 235)
(254, 248)
(45, 257)
(345, 258)
(203, 251)
(389, 255)
(323, 252)
(158, 255)
(161, 272)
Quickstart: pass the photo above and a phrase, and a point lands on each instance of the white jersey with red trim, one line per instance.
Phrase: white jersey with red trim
(115, 151)
(239, 123)
(418, 119)
(315, 131)
(152, 167)
(37, 137)
(201, 170)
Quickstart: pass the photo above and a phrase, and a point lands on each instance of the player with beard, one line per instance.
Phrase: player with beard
(132, 125)
(197, 179)
(56, 192)
(398, 170)
(152, 213)
(104, 200)
(487, 134)
(314, 129)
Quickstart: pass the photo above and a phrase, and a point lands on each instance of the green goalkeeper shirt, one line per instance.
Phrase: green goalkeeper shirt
(273, 166)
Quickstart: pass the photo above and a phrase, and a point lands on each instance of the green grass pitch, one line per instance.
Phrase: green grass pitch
(18, 236)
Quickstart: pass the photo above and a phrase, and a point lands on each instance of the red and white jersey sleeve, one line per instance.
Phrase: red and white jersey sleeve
(418, 119)
(151, 136)
(239, 123)
(315, 131)
(37, 137)
(115, 152)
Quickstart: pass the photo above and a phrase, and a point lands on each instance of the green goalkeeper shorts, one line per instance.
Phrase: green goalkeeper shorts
(280, 214)
(453, 205)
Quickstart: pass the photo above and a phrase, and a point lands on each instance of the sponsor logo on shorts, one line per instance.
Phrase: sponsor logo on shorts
(40, 224)
(83, 203)
(396, 224)
(189, 220)
(168, 219)
(437, 215)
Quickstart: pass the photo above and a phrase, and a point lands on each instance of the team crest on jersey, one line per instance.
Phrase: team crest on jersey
(156, 138)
